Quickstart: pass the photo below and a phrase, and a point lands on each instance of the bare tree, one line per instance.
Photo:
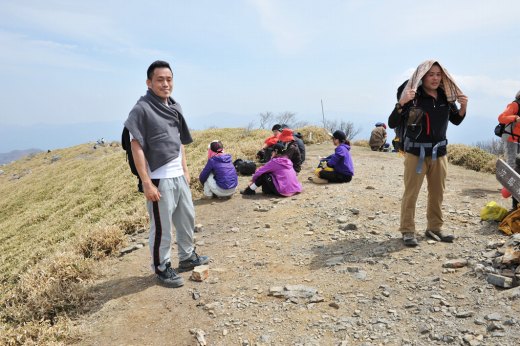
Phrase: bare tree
(346, 126)
(349, 129)
(265, 119)
(493, 146)
(286, 118)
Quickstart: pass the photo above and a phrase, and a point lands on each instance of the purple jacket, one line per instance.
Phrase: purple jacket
(341, 160)
(223, 171)
(284, 176)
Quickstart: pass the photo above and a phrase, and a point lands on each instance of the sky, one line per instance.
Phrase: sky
(71, 71)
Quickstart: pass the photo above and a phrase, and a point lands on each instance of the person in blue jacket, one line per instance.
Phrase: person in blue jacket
(219, 176)
(338, 167)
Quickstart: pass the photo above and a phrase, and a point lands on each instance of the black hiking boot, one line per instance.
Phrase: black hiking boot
(192, 262)
(248, 192)
(170, 278)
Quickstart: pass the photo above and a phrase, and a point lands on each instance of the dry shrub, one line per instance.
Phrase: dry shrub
(52, 288)
(314, 134)
(361, 143)
(101, 242)
(471, 158)
(40, 333)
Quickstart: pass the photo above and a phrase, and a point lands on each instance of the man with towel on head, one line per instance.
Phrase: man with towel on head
(427, 105)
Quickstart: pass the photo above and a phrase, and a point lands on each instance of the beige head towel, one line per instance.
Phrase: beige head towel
(448, 84)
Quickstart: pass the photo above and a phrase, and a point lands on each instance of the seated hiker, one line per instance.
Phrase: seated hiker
(338, 167)
(219, 176)
(277, 177)
(377, 140)
(298, 138)
(291, 148)
(264, 154)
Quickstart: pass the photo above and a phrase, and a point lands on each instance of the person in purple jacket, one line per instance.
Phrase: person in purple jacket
(339, 167)
(277, 176)
(219, 176)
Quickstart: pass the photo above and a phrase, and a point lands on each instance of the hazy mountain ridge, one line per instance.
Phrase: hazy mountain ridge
(16, 155)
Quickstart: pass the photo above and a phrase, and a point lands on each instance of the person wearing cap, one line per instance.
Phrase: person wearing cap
(264, 154)
(512, 142)
(377, 140)
(298, 138)
(277, 177)
(338, 167)
(219, 176)
(425, 108)
(291, 149)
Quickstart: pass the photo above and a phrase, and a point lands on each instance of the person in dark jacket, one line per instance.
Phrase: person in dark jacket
(298, 138)
(291, 148)
(219, 176)
(338, 167)
(425, 107)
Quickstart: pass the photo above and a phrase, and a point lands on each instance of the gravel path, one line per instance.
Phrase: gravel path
(326, 267)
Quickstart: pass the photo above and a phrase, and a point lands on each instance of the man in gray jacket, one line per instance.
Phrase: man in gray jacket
(158, 133)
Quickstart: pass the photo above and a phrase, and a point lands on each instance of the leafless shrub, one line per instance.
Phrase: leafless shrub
(265, 119)
(492, 146)
(346, 126)
(286, 118)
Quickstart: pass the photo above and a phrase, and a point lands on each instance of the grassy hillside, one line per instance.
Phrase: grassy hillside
(63, 211)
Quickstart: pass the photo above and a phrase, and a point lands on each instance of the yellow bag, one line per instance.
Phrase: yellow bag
(492, 211)
(511, 223)
(322, 166)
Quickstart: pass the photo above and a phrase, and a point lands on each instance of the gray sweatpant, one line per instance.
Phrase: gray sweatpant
(512, 149)
(175, 208)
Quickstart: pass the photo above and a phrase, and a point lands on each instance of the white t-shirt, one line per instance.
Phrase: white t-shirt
(172, 169)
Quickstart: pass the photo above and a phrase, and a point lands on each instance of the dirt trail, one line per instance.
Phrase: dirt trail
(371, 289)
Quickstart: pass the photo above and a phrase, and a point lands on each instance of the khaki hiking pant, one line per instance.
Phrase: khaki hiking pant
(435, 172)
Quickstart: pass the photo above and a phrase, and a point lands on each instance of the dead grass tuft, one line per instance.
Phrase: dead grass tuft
(471, 158)
(55, 287)
(101, 242)
(361, 143)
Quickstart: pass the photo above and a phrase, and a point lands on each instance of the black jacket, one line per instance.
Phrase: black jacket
(438, 112)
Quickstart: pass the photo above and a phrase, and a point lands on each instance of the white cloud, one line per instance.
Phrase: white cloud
(485, 85)
(289, 37)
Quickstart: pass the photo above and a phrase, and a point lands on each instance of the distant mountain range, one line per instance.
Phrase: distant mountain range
(16, 154)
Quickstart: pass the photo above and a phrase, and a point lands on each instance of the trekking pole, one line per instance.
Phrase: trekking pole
(322, 113)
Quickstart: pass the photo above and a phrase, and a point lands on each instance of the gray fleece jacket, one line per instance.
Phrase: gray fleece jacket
(159, 128)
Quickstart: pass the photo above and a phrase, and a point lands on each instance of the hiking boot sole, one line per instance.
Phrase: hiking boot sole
(446, 238)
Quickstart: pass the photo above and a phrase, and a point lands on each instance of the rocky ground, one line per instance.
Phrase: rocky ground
(326, 267)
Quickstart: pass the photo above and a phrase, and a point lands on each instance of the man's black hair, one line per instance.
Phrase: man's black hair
(157, 64)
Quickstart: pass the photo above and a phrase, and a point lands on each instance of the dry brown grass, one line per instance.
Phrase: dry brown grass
(60, 217)
(471, 158)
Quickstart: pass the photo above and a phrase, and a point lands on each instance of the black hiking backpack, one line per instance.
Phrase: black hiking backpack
(507, 129)
(245, 167)
(125, 143)
(400, 130)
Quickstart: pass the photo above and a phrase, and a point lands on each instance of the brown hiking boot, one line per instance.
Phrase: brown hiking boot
(440, 236)
(409, 239)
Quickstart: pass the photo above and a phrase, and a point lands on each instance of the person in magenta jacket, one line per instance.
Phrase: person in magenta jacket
(277, 177)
